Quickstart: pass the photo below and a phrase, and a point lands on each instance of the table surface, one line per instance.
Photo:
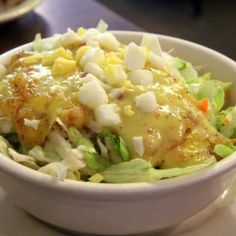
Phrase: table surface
(210, 23)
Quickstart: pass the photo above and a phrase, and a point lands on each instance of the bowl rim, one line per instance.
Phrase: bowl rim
(33, 177)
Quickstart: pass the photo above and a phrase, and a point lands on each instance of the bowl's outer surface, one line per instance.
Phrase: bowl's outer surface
(124, 208)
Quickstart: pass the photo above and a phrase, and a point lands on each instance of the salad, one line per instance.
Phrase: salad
(84, 106)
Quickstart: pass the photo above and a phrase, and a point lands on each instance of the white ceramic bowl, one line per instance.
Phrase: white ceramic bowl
(122, 209)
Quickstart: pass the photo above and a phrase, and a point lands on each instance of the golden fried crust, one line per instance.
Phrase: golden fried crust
(27, 97)
(76, 116)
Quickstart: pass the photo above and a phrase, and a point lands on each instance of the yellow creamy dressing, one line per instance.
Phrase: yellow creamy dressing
(176, 116)
(176, 134)
(33, 93)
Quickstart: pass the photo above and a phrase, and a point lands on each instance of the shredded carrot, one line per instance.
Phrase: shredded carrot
(204, 105)
(226, 121)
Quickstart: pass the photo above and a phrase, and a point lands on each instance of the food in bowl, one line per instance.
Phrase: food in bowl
(129, 208)
(86, 107)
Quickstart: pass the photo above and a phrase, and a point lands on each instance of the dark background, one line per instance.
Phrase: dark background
(208, 22)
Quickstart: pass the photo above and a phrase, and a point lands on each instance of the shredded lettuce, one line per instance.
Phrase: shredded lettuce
(226, 122)
(180, 64)
(203, 86)
(103, 156)
(50, 152)
(78, 139)
(224, 150)
(44, 45)
(41, 156)
(103, 148)
(139, 170)
(3, 70)
(96, 178)
(55, 169)
(213, 91)
(23, 159)
(91, 158)
(74, 175)
(37, 43)
(102, 26)
(95, 162)
(186, 70)
(65, 150)
(118, 144)
(4, 146)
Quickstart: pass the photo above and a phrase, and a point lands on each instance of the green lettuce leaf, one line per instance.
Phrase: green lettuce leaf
(203, 86)
(55, 169)
(91, 158)
(95, 162)
(102, 26)
(139, 170)
(224, 150)
(23, 159)
(38, 43)
(228, 128)
(78, 139)
(186, 70)
(4, 146)
(118, 144)
(72, 157)
(213, 91)
(180, 64)
(42, 157)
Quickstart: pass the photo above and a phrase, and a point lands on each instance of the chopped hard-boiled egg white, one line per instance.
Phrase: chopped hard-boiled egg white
(80, 53)
(146, 102)
(151, 42)
(115, 93)
(69, 38)
(94, 126)
(141, 77)
(138, 145)
(89, 77)
(94, 54)
(156, 61)
(107, 115)
(108, 41)
(135, 57)
(92, 95)
(32, 123)
(94, 69)
(115, 74)
(91, 36)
